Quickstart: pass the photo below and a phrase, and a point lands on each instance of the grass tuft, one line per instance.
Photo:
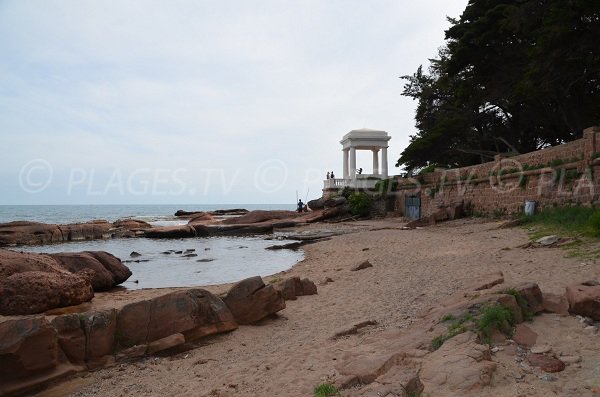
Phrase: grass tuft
(326, 390)
(494, 317)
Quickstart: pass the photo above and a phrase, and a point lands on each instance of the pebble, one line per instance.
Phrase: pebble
(548, 377)
(540, 349)
(591, 329)
(570, 359)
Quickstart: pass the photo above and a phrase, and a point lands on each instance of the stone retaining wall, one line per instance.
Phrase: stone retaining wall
(560, 175)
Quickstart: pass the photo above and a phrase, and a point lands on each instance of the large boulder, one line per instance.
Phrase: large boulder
(201, 217)
(293, 287)
(104, 270)
(131, 224)
(33, 283)
(29, 354)
(15, 233)
(194, 313)
(584, 299)
(316, 204)
(260, 216)
(36, 292)
(93, 230)
(251, 300)
(334, 201)
(181, 231)
(19, 233)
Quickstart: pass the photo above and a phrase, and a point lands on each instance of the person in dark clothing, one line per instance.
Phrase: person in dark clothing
(300, 205)
(331, 175)
(328, 175)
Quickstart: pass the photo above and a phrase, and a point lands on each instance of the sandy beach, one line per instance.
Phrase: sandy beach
(289, 354)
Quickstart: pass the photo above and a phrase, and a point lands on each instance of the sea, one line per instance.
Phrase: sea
(164, 263)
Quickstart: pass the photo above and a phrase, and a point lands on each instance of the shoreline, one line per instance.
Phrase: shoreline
(293, 352)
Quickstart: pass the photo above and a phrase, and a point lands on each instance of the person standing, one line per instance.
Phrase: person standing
(300, 205)
(327, 174)
(332, 176)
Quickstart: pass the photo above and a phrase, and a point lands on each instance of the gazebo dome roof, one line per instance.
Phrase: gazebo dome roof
(365, 137)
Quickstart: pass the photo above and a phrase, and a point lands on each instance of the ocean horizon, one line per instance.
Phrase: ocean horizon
(75, 213)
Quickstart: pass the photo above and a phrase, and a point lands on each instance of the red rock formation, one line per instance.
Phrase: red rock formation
(250, 300)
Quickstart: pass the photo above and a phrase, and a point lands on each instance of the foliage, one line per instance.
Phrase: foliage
(594, 224)
(457, 327)
(386, 185)
(359, 203)
(522, 302)
(567, 221)
(346, 192)
(508, 79)
(326, 390)
(494, 317)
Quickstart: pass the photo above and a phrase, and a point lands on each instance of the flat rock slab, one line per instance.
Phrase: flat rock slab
(524, 335)
(545, 363)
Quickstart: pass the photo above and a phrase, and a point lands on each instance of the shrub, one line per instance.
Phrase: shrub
(495, 317)
(359, 203)
(594, 223)
(326, 390)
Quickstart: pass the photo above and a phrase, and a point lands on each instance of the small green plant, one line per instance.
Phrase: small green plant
(494, 317)
(274, 280)
(359, 203)
(499, 213)
(326, 390)
(523, 180)
(447, 317)
(457, 327)
(346, 192)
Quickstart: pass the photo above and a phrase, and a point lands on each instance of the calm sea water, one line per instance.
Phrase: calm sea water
(219, 259)
(61, 214)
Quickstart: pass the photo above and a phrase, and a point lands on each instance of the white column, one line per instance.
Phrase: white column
(352, 163)
(384, 163)
(345, 155)
(375, 161)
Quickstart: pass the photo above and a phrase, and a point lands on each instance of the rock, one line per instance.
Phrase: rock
(334, 201)
(548, 240)
(19, 232)
(260, 216)
(591, 329)
(35, 292)
(548, 378)
(333, 212)
(189, 213)
(293, 287)
(202, 218)
(230, 211)
(554, 303)
(541, 349)
(532, 296)
(194, 313)
(459, 366)
(29, 354)
(584, 299)
(165, 343)
(105, 270)
(570, 359)
(438, 216)
(486, 281)
(524, 335)
(250, 300)
(189, 255)
(131, 224)
(134, 254)
(181, 231)
(545, 363)
(205, 260)
(361, 265)
(510, 224)
(100, 329)
(317, 204)
(239, 229)
(354, 329)
(132, 352)
(71, 337)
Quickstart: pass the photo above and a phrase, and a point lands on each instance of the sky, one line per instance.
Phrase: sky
(201, 102)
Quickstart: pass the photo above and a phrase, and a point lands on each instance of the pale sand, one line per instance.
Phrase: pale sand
(413, 269)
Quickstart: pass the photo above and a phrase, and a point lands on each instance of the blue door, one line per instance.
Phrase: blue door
(412, 207)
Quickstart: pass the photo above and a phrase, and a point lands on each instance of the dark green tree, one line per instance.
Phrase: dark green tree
(512, 77)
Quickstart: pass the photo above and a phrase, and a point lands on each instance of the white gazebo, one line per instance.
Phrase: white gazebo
(363, 139)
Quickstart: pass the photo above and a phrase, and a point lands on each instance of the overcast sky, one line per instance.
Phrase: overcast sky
(201, 101)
